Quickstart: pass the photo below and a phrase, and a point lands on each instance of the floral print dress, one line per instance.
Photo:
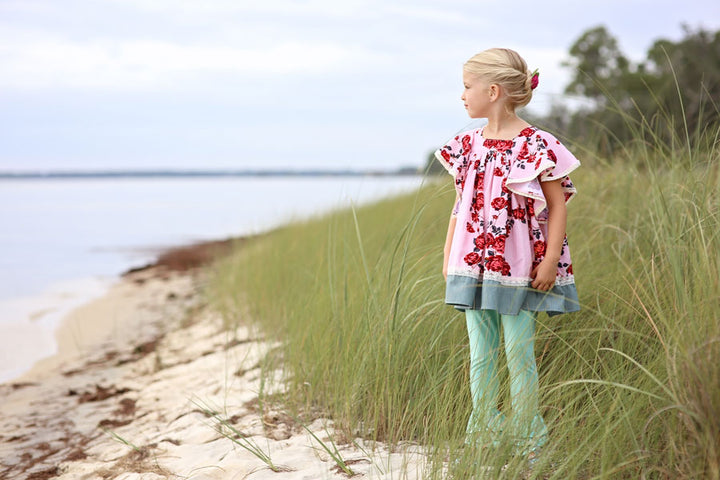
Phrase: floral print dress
(501, 229)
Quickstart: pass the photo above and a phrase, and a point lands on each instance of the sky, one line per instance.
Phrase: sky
(277, 84)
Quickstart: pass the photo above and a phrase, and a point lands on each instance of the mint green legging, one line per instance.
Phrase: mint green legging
(526, 425)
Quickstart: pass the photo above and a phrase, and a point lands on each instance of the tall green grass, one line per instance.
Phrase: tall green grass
(630, 386)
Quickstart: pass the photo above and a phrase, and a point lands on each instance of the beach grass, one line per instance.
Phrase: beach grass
(629, 386)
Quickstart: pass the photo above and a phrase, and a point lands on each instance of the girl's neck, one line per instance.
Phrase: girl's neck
(504, 125)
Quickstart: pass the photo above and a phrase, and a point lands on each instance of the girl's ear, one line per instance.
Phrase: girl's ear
(494, 92)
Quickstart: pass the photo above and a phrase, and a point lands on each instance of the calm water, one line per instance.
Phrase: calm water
(64, 241)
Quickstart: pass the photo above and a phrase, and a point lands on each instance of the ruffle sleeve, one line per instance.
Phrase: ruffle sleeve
(542, 158)
(455, 157)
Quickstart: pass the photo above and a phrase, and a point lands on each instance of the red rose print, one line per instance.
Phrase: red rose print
(475, 217)
(479, 200)
(552, 156)
(484, 240)
(445, 155)
(505, 269)
(499, 203)
(531, 207)
(477, 165)
(539, 248)
(498, 172)
(472, 258)
(524, 154)
(481, 176)
(501, 145)
(569, 270)
(494, 263)
(499, 244)
(527, 132)
(504, 186)
(497, 263)
(489, 240)
(518, 213)
(469, 227)
(466, 144)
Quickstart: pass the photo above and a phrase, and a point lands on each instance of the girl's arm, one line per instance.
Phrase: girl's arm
(448, 241)
(544, 274)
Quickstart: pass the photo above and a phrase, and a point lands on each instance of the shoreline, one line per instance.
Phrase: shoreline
(29, 323)
(130, 393)
(52, 326)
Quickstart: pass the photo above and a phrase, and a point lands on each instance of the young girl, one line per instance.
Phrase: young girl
(506, 253)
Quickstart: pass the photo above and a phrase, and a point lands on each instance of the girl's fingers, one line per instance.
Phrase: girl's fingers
(542, 286)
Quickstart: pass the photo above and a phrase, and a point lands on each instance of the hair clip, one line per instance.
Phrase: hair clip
(534, 79)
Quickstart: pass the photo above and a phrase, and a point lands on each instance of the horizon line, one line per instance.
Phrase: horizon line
(112, 173)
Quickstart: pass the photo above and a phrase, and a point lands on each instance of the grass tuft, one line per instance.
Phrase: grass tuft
(225, 428)
(333, 452)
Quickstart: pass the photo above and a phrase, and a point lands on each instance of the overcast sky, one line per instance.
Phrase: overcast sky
(96, 84)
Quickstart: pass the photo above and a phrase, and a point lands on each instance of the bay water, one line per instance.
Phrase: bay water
(64, 241)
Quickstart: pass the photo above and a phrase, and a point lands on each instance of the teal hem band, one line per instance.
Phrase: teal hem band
(469, 293)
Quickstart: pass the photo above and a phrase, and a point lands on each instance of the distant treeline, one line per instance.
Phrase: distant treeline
(671, 97)
(207, 173)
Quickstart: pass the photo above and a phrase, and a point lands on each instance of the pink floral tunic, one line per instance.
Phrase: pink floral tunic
(501, 229)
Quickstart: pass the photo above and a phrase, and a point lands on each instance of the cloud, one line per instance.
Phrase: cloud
(433, 15)
(131, 64)
(351, 9)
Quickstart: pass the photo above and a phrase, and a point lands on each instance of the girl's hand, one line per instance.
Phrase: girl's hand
(544, 275)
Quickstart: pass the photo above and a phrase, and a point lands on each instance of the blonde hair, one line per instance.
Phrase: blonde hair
(506, 68)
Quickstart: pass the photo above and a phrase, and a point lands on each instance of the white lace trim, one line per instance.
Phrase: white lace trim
(546, 176)
(510, 281)
(444, 163)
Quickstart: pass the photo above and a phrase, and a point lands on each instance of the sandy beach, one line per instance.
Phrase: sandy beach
(149, 384)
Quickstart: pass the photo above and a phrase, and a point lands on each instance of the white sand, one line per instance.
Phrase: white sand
(121, 398)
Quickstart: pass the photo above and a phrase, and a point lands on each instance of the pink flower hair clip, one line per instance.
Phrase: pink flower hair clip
(534, 79)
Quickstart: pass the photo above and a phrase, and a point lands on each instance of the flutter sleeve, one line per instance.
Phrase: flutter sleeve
(542, 159)
(455, 157)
